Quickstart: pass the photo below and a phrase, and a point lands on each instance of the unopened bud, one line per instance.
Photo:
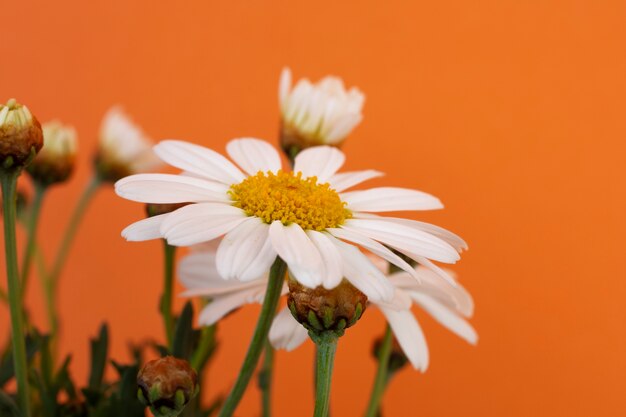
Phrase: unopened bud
(55, 162)
(20, 135)
(157, 209)
(320, 310)
(166, 385)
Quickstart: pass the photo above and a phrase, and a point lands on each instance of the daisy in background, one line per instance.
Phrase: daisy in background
(447, 304)
(323, 113)
(123, 149)
(305, 217)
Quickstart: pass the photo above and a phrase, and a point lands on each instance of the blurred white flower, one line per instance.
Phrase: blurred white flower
(123, 149)
(448, 304)
(323, 113)
(55, 161)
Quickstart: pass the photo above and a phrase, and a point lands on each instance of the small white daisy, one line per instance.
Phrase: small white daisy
(304, 216)
(124, 148)
(447, 304)
(320, 113)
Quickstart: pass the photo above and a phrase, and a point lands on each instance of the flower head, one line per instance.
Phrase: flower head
(20, 134)
(323, 113)
(167, 385)
(124, 149)
(448, 304)
(304, 216)
(55, 162)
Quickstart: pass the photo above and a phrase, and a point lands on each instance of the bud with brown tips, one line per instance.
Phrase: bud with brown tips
(55, 162)
(320, 310)
(20, 135)
(166, 385)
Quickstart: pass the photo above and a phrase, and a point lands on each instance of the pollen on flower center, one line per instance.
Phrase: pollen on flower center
(288, 197)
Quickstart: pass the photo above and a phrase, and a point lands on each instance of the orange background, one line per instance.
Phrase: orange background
(512, 112)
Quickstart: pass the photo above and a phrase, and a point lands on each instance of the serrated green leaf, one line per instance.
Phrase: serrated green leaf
(183, 343)
(99, 351)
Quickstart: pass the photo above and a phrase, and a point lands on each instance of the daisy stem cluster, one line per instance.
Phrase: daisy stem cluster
(8, 178)
(326, 345)
(169, 252)
(272, 295)
(381, 379)
(31, 238)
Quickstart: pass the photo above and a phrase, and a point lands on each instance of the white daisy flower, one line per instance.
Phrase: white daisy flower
(447, 304)
(323, 113)
(124, 148)
(198, 274)
(304, 216)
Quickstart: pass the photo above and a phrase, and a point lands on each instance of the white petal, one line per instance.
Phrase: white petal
(390, 199)
(170, 189)
(409, 336)
(197, 223)
(220, 306)
(319, 161)
(454, 240)
(404, 238)
(146, 229)
(331, 260)
(361, 273)
(296, 249)
(345, 180)
(342, 127)
(199, 160)
(431, 266)
(286, 333)
(446, 317)
(246, 253)
(374, 247)
(283, 86)
(254, 155)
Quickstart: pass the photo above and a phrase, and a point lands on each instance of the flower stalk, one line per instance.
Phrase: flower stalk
(265, 379)
(8, 179)
(169, 252)
(326, 346)
(381, 379)
(272, 294)
(31, 230)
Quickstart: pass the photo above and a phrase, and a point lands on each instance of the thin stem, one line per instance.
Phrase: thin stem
(380, 382)
(31, 227)
(70, 232)
(9, 185)
(272, 294)
(325, 358)
(3, 296)
(207, 341)
(72, 228)
(166, 299)
(265, 379)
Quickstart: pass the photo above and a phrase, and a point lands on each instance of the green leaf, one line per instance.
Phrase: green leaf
(183, 333)
(8, 407)
(99, 349)
(6, 363)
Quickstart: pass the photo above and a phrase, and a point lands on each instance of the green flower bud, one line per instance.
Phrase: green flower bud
(397, 358)
(166, 385)
(320, 310)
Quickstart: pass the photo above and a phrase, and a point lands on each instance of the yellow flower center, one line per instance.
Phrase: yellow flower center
(288, 197)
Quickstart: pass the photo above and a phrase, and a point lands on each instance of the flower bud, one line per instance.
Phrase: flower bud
(123, 149)
(397, 358)
(166, 385)
(320, 310)
(316, 114)
(55, 162)
(20, 135)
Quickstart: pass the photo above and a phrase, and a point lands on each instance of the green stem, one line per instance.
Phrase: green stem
(166, 299)
(206, 345)
(268, 310)
(380, 382)
(9, 185)
(3, 296)
(265, 379)
(31, 227)
(61, 257)
(326, 345)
